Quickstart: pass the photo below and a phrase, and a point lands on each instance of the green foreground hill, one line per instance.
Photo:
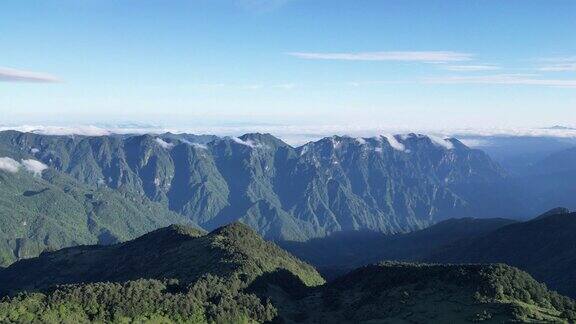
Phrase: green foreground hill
(231, 275)
(172, 274)
(175, 252)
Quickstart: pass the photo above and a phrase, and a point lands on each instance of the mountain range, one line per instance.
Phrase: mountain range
(181, 274)
(342, 252)
(390, 184)
(543, 246)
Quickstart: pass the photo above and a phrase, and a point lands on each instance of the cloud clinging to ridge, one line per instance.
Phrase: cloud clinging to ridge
(9, 165)
(34, 167)
(410, 56)
(13, 75)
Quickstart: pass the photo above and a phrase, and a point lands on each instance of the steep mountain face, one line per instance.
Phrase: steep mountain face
(232, 275)
(544, 247)
(345, 251)
(389, 184)
(50, 210)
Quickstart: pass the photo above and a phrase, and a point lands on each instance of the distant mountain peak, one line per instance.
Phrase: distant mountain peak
(554, 212)
(441, 142)
(560, 127)
(262, 138)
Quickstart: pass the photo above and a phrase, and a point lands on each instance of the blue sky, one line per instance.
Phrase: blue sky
(355, 63)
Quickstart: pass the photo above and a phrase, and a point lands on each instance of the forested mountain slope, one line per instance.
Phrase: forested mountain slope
(179, 274)
(175, 252)
(49, 210)
(545, 247)
(389, 184)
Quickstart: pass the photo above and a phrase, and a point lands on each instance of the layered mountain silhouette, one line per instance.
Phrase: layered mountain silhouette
(552, 181)
(389, 184)
(544, 247)
(341, 252)
(181, 274)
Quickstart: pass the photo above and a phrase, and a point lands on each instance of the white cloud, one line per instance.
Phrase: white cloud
(303, 133)
(442, 142)
(471, 68)
(558, 64)
(475, 142)
(504, 79)
(13, 75)
(512, 132)
(360, 140)
(9, 165)
(164, 144)
(33, 166)
(424, 56)
(565, 67)
(59, 130)
(394, 142)
(248, 143)
(200, 146)
(196, 145)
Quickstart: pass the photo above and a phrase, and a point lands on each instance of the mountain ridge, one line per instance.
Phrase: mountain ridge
(543, 246)
(174, 252)
(389, 183)
(181, 274)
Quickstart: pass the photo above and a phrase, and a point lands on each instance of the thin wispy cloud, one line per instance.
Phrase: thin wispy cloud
(13, 75)
(558, 64)
(412, 56)
(504, 79)
(251, 87)
(568, 67)
(247, 87)
(285, 86)
(472, 68)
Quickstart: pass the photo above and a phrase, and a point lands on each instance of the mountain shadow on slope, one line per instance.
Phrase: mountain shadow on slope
(544, 247)
(344, 251)
(419, 293)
